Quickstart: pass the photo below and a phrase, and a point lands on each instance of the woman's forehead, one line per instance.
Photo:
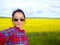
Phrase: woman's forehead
(18, 15)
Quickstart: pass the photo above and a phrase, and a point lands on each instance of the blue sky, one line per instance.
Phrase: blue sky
(32, 8)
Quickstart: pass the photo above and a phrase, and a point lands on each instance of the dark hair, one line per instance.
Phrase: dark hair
(18, 10)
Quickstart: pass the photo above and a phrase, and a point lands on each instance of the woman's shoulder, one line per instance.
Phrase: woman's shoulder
(9, 29)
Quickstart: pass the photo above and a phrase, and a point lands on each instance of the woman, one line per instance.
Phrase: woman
(15, 35)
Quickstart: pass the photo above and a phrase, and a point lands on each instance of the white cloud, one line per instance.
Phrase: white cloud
(38, 8)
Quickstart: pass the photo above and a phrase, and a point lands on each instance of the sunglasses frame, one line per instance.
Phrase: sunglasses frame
(18, 19)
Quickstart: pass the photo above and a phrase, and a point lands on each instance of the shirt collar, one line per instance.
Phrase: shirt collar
(18, 29)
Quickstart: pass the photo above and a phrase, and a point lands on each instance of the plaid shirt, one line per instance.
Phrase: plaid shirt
(13, 36)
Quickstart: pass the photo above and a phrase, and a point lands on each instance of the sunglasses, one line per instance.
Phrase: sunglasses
(18, 19)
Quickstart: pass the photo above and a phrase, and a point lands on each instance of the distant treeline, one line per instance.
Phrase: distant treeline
(5, 17)
(35, 17)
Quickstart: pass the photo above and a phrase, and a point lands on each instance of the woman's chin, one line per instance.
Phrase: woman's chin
(19, 26)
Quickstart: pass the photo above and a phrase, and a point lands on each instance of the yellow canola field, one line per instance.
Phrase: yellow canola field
(34, 24)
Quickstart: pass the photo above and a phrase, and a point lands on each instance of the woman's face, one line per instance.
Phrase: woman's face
(18, 19)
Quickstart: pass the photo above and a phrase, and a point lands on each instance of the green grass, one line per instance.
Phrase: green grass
(45, 38)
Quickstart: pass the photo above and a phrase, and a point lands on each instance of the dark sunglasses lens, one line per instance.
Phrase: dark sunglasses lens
(18, 19)
(15, 19)
(22, 19)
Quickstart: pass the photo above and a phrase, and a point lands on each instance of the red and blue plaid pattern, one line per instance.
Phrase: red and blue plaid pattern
(13, 36)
